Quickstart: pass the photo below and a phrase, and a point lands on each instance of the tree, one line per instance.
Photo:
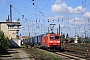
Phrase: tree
(4, 41)
(67, 36)
(1, 35)
(63, 36)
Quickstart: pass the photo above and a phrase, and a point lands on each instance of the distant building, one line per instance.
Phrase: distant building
(25, 37)
(10, 29)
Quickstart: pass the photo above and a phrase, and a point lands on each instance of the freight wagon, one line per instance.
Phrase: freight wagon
(40, 39)
(47, 41)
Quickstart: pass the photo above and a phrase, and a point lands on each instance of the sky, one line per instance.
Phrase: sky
(35, 17)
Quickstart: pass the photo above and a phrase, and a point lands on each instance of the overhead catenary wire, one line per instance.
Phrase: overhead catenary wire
(13, 6)
(36, 6)
(41, 11)
(83, 5)
(72, 14)
(45, 5)
(38, 10)
(22, 15)
(4, 13)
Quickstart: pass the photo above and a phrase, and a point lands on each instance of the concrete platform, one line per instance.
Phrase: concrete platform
(16, 54)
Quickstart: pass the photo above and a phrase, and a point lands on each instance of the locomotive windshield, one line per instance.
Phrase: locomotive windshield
(54, 37)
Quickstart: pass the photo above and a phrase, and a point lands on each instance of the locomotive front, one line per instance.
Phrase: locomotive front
(54, 41)
(51, 41)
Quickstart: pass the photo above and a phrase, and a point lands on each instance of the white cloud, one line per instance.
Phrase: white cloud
(77, 21)
(87, 15)
(61, 7)
(79, 9)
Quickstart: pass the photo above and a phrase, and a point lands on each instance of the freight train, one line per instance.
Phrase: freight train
(46, 41)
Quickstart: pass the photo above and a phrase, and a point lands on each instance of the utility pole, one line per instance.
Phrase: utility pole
(48, 30)
(59, 28)
(29, 34)
(85, 34)
(10, 13)
(8, 17)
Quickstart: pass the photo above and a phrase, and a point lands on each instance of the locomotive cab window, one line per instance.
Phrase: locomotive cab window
(54, 37)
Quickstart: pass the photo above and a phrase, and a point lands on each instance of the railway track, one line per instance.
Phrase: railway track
(66, 55)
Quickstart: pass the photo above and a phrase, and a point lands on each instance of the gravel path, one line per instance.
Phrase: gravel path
(23, 55)
(7, 56)
(16, 54)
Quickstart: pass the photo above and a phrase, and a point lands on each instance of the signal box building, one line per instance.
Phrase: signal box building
(10, 29)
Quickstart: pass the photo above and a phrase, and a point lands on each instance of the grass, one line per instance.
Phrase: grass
(77, 46)
(41, 55)
(23, 46)
(52, 56)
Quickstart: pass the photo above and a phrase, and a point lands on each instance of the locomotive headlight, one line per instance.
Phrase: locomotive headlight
(58, 41)
(50, 41)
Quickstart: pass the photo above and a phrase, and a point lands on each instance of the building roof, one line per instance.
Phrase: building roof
(24, 37)
(11, 23)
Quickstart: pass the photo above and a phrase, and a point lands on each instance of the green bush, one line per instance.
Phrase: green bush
(4, 43)
(3, 51)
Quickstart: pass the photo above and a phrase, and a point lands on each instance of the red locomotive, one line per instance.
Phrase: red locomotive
(51, 41)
